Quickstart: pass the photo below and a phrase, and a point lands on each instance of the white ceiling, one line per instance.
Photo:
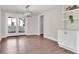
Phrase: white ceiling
(21, 8)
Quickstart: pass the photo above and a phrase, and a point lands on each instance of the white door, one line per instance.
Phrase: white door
(16, 26)
(21, 26)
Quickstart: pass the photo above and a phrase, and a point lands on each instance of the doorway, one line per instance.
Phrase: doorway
(42, 25)
(16, 26)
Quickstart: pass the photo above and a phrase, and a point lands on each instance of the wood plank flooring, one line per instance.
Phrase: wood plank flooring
(30, 45)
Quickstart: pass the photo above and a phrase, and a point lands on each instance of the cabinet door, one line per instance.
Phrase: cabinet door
(60, 36)
(70, 39)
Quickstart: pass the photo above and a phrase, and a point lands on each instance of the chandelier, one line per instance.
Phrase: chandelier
(28, 13)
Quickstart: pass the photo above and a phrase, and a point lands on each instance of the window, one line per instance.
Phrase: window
(11, 25)
(21, 25)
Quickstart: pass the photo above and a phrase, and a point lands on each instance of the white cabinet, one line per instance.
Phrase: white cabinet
(69, 39)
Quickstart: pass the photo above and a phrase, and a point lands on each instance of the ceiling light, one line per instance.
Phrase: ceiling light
(28, 13)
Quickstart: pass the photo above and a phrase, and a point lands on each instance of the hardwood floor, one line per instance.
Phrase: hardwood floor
(30, 45)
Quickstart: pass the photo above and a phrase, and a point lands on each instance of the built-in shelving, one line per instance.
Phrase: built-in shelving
(71, 10)
(68, 37)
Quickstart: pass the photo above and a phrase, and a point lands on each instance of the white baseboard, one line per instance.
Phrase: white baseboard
(31, 34)
(63, 46)
(0, 39)
(3, 36)
(50, 38)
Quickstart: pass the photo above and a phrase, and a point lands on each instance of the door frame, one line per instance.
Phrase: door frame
(17, 33)
(42, 25)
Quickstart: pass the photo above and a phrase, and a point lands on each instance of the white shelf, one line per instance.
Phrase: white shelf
(71, 10)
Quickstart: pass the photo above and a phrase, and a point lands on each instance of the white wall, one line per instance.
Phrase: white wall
(32, 24)
(0, 23)
(4, 20)
(52, 22)
(3, 24)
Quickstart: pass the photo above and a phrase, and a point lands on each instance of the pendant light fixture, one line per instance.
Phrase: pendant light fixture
(28, 13)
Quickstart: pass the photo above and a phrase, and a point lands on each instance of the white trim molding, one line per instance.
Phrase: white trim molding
(3, 36)
(64, 46)
(0, 39)
(50, 38)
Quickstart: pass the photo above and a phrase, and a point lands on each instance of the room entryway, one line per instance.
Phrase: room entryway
(42, 25)
(16, 26)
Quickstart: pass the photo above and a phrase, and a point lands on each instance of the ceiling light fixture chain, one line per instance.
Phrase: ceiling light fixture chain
(28, 13)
